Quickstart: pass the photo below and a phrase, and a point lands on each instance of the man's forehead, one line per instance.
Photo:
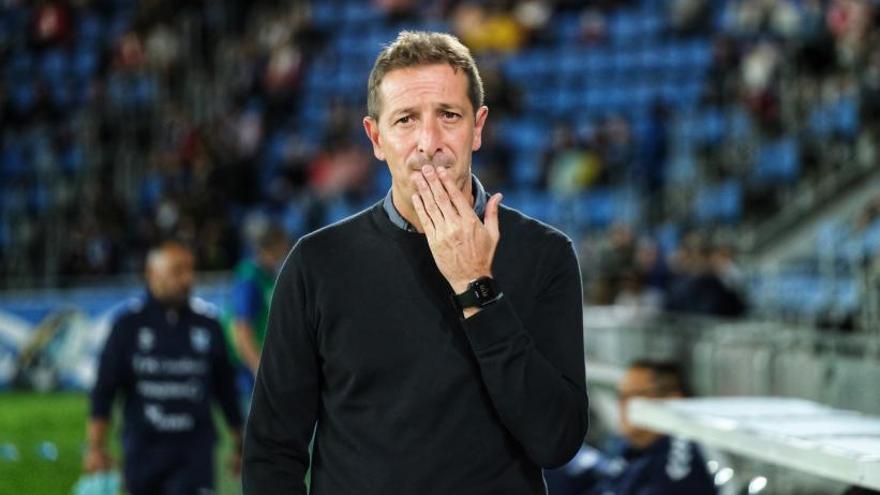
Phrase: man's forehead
(408, 84)
(174, 255)
(423, 70)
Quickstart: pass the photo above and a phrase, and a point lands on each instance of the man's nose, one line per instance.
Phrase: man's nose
(429, 139)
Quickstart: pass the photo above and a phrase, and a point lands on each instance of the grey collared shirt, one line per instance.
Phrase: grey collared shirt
(480, 199)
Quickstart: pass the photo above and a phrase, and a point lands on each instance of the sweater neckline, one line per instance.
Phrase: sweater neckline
(387, 227)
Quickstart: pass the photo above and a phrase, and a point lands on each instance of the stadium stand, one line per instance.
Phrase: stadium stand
(714, 157)
(668, 117)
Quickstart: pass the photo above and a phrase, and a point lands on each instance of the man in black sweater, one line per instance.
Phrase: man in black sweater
(432, 343)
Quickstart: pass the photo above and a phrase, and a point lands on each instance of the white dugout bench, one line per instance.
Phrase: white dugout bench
(799, 434)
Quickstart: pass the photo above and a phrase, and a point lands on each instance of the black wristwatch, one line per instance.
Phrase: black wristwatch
(479, 294)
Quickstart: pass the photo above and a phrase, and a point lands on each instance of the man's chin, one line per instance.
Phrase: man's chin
(179, 301)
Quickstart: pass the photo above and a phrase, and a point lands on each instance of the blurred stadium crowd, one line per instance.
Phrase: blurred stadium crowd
(661, 133)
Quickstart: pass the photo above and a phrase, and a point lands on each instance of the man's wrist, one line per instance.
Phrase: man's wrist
(468, 312)
(460, 286)
(479, 293)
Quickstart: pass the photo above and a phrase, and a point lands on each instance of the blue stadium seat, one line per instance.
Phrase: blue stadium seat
(846, 116)
(828, 237)
(837, 118)
(651, 25)
(81, 92)
(721, 203)
(847, 296)
(683, 128)
(525, 134)
(13, 160)
(16, 18)
(13, 200)
(62, 97)
(739, 124)
(778, 162)
(275, 151)
(90, 30)
(626, 63)
(382, 179)
(526, 169)
(650, 60)
(564, 101)
(71, 160)
(595, 209)
(641, 96)
(699, 55)
(712, 126)
(358, 13)
(566, 27)
(24, 97)
(623, 28)
(348, 42)
(667, 236)
(119, 24)
(324, 14)
(20, 67)
(150, 192)
(675, 59)
(145, 91)
(294, 219)
(872, 238)
(516, 67)
(340, 209)
(38, 199)
(681, 166)
(536, 204)
(84, 63)
(570, 62)
(600, 64)
(54, 66)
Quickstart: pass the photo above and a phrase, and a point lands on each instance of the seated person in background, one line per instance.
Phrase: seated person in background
(642, 462)
(857, 490)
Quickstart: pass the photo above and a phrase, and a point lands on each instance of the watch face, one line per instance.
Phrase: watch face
(483, 289)
(481, 292)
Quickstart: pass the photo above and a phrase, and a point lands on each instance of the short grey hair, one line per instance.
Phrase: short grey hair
(415, 48)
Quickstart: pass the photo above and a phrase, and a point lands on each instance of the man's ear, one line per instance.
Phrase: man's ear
(480, 121)
(371, 127)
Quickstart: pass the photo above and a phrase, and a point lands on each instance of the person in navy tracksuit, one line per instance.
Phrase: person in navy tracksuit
(642, 462)
(166, 358)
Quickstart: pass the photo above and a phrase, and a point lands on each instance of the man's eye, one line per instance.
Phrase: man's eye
(450, 115)
(404, 120)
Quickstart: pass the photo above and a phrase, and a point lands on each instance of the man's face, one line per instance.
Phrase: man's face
(637, 382)
(426, 119)
(171, 275)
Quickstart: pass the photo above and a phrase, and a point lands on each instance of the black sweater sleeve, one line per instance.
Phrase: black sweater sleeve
(285, 401)
(223, 381)
(534, 371)
(110, 373)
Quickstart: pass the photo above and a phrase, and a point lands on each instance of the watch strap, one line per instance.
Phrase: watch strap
(479, 294)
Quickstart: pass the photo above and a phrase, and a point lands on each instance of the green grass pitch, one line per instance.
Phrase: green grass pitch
(27, 420)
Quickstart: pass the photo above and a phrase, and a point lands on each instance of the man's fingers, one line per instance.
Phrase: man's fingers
(424, 218)
(441, 197)
(428, 200)
(455, 195)
(490, 219)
